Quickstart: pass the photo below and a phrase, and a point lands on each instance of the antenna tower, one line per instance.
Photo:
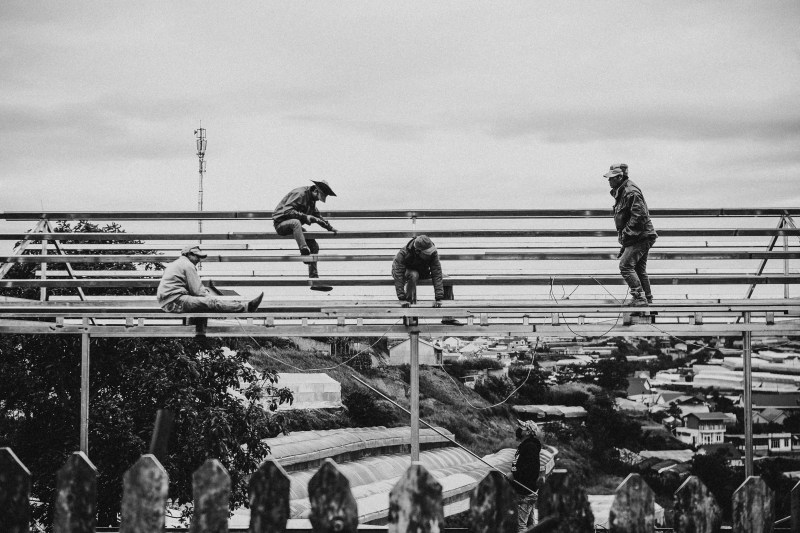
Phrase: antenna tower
(200, 134)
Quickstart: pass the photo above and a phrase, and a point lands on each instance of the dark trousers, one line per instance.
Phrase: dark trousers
(295, 228)
(633, 267)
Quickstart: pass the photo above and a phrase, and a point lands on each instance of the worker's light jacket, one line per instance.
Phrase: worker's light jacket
(180, 277)
(297, 204)
(408, 259)
(631, 215)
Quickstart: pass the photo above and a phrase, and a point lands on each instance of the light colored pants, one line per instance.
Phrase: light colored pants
(526, 511)
(204, 304)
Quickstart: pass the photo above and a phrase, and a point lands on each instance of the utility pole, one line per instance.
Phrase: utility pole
(200, 134)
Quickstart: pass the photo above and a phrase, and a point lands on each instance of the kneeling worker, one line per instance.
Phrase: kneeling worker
(181, 291)
(417, 260)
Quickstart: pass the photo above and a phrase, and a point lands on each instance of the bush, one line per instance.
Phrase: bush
(366, 410)
(462, 368)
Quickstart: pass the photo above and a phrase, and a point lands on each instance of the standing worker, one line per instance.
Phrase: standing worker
(526, 473)
(298, 208)
(635, 233)
(417, 260)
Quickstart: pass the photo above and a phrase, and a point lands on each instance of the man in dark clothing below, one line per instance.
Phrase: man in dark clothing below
(417, 260)
(298, 208)
(525, 473)
(635, 233)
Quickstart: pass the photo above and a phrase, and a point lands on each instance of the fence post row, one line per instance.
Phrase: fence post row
(415, 503)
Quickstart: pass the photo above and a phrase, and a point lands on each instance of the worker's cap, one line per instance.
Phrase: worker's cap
(616, 170)
(424, 245)
(193, 249)
(529, 426)
(324, 188)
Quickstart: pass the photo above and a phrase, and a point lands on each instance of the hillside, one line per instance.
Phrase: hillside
(445, 402)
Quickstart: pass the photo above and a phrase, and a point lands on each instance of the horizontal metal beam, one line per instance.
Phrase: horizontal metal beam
(477, 280)
(405, 234)
(391, 214)
(481, 256)
(430, 330)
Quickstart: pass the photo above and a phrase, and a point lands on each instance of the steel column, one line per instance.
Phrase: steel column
(748, 398)
(85, 393)
(414, 379)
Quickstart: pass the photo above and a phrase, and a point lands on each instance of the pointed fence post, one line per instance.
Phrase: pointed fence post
(753, 507)
(76, 496)
(269, 498)
(492, 505)
(211, 486)
(333, 507)
(15, 489)
(415, 503)
(564, 501)
(144, 496)
(795, 500)
(633, 509)
(696, 510)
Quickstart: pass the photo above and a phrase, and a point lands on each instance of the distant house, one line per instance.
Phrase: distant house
(702, 428)
(550, 412)
(769, 415)
(732, 455)
(400, 354)
(764, 442)
(638, 386)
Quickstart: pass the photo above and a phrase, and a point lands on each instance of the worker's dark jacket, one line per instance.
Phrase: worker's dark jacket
(525, 466)
(297, 204)
(631, 215)
(409, 259)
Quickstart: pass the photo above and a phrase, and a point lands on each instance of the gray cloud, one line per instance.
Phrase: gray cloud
(383, 130)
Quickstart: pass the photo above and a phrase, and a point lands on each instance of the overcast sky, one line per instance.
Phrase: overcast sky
(398, 104)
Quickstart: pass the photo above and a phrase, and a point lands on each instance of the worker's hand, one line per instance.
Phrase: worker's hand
(437, 303)
(405, 304)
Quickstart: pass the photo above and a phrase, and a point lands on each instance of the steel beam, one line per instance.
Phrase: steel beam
(748, 397)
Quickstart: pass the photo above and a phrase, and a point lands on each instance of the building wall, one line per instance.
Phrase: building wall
(401, 354)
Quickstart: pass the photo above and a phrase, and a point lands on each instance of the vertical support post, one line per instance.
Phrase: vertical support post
(413, 334)
(85, 393)
(786, 264)
(748, 397)
(43, 269)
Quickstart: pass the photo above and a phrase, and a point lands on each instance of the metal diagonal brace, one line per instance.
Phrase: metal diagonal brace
(70, 270)
(26, 240)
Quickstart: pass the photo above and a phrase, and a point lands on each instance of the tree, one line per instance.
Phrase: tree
(215, 395)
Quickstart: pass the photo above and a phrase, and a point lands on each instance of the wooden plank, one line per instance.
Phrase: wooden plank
(415, 503)
(633, 509)
(333, 507)
(562, 499)
(696, 510)
(76, 496)
(394, 213)
(492, 505)
(27, 239)
(211, 487)
(269, 498)
(144, 497)
(753, 507)
(15, 489)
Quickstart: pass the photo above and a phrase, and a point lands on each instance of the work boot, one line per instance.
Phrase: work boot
(305, 250)
(450, 321)
(637, 299)
(253, 304)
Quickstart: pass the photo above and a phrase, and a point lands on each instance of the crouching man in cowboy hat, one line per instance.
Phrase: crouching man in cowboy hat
(525, 473)
(181, 291)
(297, 208)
